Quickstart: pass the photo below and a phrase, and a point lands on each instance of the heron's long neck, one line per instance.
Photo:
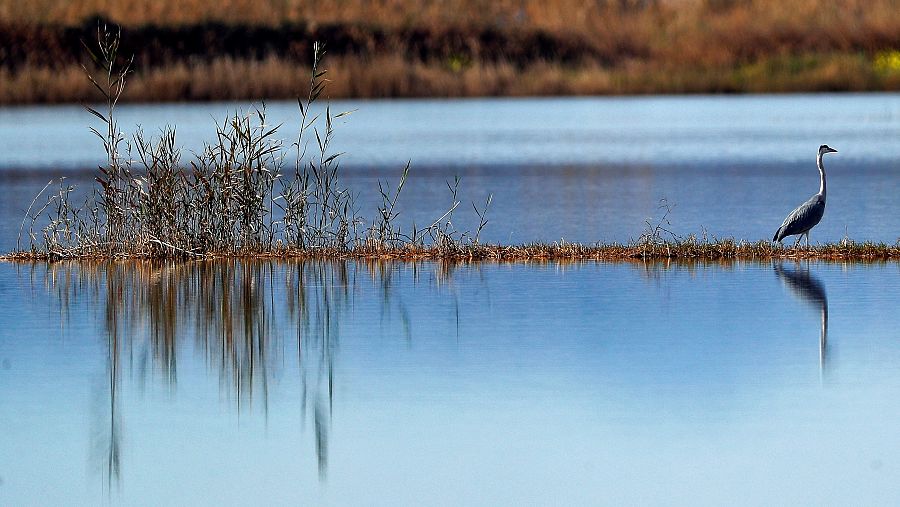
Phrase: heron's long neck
(821, 176)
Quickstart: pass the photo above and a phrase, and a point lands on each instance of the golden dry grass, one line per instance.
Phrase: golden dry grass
(688, 250)
(388, 76)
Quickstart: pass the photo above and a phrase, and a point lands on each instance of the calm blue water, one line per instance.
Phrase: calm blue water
(654, 130)
(591, 383)
(385, 384)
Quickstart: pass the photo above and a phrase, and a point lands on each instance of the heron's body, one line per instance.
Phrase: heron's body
(802, 219)
(808, 214)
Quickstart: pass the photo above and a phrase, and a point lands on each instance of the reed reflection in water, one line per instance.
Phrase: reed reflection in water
(243, 317)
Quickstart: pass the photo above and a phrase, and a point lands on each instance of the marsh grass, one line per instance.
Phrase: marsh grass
(240, 195)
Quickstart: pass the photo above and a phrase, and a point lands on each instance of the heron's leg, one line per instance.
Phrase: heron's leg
(800, 237)
(807, 239)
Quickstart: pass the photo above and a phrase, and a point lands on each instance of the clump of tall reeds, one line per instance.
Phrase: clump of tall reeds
(238, 195)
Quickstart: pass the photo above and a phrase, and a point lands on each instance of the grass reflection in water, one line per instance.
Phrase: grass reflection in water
(244, 316)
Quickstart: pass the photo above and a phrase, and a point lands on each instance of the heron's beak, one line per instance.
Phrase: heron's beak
(832, 150)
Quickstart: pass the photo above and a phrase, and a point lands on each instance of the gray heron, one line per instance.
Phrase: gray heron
(808, 214)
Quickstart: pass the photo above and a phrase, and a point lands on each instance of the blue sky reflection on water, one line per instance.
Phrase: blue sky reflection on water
(528, 383)
(535, 383)
(643, 130)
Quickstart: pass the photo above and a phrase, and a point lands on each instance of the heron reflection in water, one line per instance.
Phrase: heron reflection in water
(809, 289)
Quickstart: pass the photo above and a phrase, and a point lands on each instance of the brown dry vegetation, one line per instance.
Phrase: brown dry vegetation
(259, 49)
(733, 22)
(274, 78)
(689, 250)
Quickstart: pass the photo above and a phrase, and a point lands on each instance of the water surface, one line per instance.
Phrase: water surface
(588, 383)
(582, 383)
(501, 131)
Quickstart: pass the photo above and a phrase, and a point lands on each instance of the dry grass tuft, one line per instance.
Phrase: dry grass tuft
(239, 196)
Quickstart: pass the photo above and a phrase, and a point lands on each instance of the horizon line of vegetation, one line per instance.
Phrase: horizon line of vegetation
(243, 195)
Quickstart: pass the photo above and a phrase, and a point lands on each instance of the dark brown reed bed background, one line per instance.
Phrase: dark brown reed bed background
(242, 49)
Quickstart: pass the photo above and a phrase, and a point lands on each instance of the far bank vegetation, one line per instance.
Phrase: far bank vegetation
(243, 49)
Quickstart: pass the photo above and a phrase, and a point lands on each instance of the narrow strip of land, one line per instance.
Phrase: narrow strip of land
(689, 251)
